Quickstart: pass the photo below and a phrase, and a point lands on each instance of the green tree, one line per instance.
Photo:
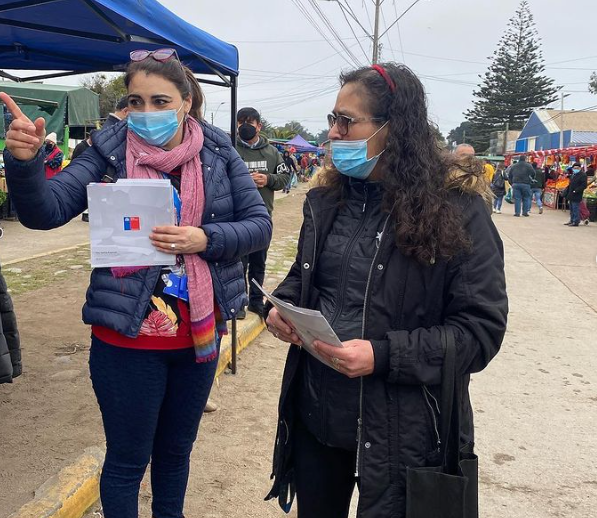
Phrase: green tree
(322, 136)
(461, 133)
(514, 84)
(593, 83)
(110, 90)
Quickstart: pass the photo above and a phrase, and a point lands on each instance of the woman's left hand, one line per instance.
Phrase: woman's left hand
(354, 359)
(179, 240)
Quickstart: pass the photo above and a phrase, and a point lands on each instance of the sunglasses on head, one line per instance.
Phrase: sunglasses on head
(161, 55)
(343, 122)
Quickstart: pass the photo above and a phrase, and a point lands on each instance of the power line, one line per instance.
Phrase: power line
(399, 33)
(332, 29)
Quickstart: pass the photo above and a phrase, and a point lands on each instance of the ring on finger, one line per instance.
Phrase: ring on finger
(173, 245)
(336, 362)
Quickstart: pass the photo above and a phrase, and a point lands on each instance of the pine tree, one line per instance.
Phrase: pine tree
(593, 83)
(514, 84)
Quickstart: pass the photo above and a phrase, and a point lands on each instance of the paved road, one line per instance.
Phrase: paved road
(19, 242)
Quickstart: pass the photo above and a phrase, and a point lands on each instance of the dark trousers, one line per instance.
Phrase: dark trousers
(575, 212)
(324, 477)
(151, 404)
(254, 265)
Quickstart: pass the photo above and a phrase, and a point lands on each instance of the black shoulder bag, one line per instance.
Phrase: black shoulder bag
(451, 489)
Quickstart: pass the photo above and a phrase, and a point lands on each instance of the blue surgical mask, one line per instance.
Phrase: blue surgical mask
(576, 171)
(350, 157)
(155, 128)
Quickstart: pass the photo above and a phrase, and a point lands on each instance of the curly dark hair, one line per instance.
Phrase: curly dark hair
(417, 175)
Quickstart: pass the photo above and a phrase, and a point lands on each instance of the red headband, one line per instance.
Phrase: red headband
(386, 76)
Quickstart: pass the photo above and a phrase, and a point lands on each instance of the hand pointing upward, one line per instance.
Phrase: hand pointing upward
(23, 138)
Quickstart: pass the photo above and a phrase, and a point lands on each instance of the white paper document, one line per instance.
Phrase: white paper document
(309, 324)
(121, 217)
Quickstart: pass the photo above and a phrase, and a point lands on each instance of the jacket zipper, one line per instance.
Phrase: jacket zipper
(314, 234)
(346, 258)
(426, 396)
(363, 326)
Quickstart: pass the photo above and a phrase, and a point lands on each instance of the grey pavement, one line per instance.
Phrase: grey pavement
(20, 243)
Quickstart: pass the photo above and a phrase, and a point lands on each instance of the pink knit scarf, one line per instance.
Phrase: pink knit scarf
(144, 161)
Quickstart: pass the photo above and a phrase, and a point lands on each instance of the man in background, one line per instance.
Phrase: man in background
(537, 186)
(120, 112)
(521, 177)
(270, 174)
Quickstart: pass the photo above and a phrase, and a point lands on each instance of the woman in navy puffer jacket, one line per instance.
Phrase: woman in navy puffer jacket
(154, 348)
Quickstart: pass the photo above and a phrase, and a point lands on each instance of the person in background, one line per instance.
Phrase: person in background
(82, 146)
(578, 184)
(305, 165)
(120, 112)
(293, 170)
(53, 156)
(498, 187)
(520, 177)
(10, 343)
(537, 186)
(488, 171)
(464, 150)
(270, 174)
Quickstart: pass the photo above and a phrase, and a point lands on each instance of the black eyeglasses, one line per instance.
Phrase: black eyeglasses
(160, 55)
(343, 122)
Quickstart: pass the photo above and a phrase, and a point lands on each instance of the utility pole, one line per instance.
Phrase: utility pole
(506, 139)
(562, 120)
(376, 33)
(464, 136)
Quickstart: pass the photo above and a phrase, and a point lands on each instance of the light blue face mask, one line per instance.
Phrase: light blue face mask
(155, 128)
(576, 171)
(350, 157)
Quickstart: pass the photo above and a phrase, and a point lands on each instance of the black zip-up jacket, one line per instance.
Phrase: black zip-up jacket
(578, 184)
(10, 345)
(405, 305)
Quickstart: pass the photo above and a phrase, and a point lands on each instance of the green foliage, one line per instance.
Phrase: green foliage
(461, 133)
(287, 131)
(110, 90)
(3, 197)
(514, 84)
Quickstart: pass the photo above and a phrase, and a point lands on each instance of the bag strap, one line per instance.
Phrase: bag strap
(450, 418)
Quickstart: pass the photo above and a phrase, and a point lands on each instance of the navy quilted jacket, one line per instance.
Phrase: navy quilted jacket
(235, 221)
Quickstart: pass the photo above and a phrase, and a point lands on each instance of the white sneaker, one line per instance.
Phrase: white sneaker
(494, 211)
(498, 211)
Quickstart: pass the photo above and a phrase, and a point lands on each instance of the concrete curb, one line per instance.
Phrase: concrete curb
(76, 488)
(70, 493)
(44, 254)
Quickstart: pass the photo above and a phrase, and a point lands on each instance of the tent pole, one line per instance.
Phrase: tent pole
(233, 108)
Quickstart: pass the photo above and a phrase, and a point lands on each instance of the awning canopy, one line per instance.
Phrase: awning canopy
(82, 36)
(301, 145)
(58, 105)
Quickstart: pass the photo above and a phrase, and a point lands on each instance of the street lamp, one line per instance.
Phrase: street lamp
(212, 113)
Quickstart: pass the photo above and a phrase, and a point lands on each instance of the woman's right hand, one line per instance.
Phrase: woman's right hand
(24, 138)
(277, 326)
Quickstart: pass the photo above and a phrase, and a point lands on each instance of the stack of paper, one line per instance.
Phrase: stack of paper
(121, 217)
(308, 324)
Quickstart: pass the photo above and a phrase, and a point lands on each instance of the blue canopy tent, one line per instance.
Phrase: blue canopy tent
(84, 36)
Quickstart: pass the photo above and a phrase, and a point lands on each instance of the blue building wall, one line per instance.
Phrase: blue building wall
(533, 127)
(543, 142)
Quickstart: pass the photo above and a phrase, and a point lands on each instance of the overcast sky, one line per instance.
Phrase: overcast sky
(288, 71)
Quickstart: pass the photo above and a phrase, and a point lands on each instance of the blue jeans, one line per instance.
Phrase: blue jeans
(497, 202)
(536, 195)
(575, 212)
(522, 195)
(151, 404)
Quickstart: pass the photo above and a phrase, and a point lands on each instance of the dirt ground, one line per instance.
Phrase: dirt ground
(49, 415)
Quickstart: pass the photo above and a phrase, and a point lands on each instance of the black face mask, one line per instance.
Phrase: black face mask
(49, 146)
(247, 132)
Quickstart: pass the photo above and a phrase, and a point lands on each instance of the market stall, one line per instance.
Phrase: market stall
(555, 163)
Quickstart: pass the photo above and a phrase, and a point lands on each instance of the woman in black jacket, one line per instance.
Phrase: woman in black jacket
(397, 248)
(10, 345)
